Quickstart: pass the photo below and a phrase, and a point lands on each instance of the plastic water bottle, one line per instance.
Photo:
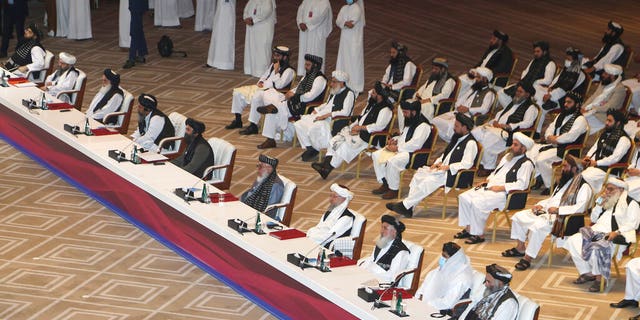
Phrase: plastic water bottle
(205, 194)
(134, 155)
(43, 102)
(394, 299)
(87, 126)
(258, 223)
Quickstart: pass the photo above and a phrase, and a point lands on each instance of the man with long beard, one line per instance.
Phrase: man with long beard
(108, 99)
(439, 86)
(566, 129)
(198, 155)
(389, 161)
(572, 195)
(400, 71)
(267, 189)
(337, 221)
(64, 78)
(612, 51)
(391, 255)
(615, 219)
(499, 302)
(610, 148)
(513, 173)
(609, 95)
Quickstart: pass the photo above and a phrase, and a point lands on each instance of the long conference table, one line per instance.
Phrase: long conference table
(254, 265)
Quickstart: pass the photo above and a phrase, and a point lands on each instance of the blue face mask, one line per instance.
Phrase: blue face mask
(441, 261)
(349, 1)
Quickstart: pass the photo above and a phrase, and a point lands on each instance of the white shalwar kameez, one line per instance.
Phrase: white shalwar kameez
(539, 84)
(113, 105)
(466, 82)
(446, 121)
(351, 48)
(222, 49)
(444, 286)
(259, 36)
(333, 224)
(634, 85)
(317, 134)
(317, 15)
(391, 168)
(79, 20)
(66, 81)
(426, 91)
(62, 15)
(494, 139)
(555, 95)
(398, 264)
(594, 175)
(426, 180)
(271, 81)
(154, 128)
(475, 205)
(124, 23)
(205, 11)
(165, 13)
(185, 8)
(539, 227)
(632, 284)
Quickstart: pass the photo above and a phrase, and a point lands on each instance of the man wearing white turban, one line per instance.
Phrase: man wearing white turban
(64, 78)
(337, 221)
(314, 130)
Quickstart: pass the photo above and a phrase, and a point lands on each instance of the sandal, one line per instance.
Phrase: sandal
(584, 278)
(523, 265)
(474, 239)
(595, 287)
(513, 252)
(462, 234)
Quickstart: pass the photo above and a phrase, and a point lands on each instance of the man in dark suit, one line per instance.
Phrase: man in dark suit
(138, 48)
(14, 13)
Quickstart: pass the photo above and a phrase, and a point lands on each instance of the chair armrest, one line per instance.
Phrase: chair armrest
(112, 114)
(66, 92)
(517, 192)
(168, 140)
(210, 169)
(442, 103)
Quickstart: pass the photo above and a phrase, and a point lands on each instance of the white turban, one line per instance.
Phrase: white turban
(340, 75)
(342, 191)
(485, 72)
(524, 140)
(613, 69)
(67, 58)
(618, 183)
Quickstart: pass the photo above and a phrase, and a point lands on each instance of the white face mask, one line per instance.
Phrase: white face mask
(442, 261)
(567, 63)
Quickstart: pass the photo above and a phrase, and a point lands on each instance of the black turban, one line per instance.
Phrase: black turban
(617, 115)
(616, 27)
(198, 127)
(527, 88)
(314, 59)
(34, 28)
(148, 101)
(464, 120)
(575, 97)
(499, 273)
(113, 77)
(281, 50)
(380, 89)
(397, 224)
(273, 162)
(574, 53)
(501, 35)
(450, 248)
(414, 105)
(399, 46)
(543, 45)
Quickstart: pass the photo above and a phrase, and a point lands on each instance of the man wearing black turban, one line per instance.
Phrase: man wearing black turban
(198, 156)
(153, 125)
(391, 255)
(108, 99)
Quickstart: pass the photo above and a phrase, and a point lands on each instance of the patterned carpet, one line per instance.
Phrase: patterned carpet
(65, 256)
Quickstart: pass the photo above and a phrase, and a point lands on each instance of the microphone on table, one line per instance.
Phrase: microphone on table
(186, 196)
(304, 260)
(378, 302)
(120, 152)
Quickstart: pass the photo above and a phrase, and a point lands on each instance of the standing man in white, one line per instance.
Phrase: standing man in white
(62, 15)
(260, 18)
(165, 13)
(79, 20)
(222, 48)
(205, 11)
(314, 24)
(351, 22)
(185, 9)
(124, 21)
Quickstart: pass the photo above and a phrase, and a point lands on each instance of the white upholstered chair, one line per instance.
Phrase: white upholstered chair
(124, 114)
(224, 158)
(178, 121)
(351, 245)
(414, 268)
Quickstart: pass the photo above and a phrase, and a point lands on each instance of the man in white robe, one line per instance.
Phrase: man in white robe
(337, 221)
(205, 11)
(440, 85)
(519, 114)
(79, 20)
(62, 18)
(222, 51)
(571, 196)
(612, 51)
(475, 103)
(314, 130)
(153, 124)
(260, 19)
(460, 154)
(29, 55)
(609, 95)
(351, 140)
(631, 288)
(64, 78)
(280, 107)
(124, 22)
(165, 13)
(513, 173)
(351, 22)
(278, 76)
(615, 219)
(567, 128)
(611, 147)
(108, 99)
(633, 176)
(314, 25)
(391, 255)
(447, 284)
(499, 301)
(389, 161)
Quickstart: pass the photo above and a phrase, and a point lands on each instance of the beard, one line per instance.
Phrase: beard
(104, 89)
(393, 60)
(382, 242)
(606, 81)
(565, 178)
(607, 38)
(493, 46)
(568, 111)
(518, 100)
(435, 77)
(408, 121)
(476, 86)
(334, 91)
(611, 201)
(189, 138)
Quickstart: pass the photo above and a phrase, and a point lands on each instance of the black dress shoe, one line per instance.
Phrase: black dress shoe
(270, 109)
(309, 155)
(141, 59)
(624, 303)
(538, 183)
(234, 125)
(545, 192)
(399, 208)
(129, 64)
(251, 129)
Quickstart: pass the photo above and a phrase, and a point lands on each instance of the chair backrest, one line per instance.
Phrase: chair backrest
(420, 159)
(127, 108)
(289, 197)
(629, 55)
(178, 120)
(527, 308)
(532, 130)
(80, 85)
(627, 100)
(417, 77)
(292, 84)
(502, 79)
(48, 68)
(410, 282)
(357, 233)
(583, 85)
(224, 154)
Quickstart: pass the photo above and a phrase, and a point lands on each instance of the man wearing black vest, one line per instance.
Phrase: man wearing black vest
(567, 128)
(499, 302)
(498, 58)
(348, 143)
(538, 73)
(611, 147)
(280, 107)
(198, 155)
(615, 219)
(612, 51)
(153, 125)
(391, 255)
(513, 173)
(108, 99)
(337, 221)
(389, 161)
(400, 71)
(460, 154)
(64, 78)
(314, 130)
(439, 86)
(494, 136)
(29, 55)
(571, 196)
